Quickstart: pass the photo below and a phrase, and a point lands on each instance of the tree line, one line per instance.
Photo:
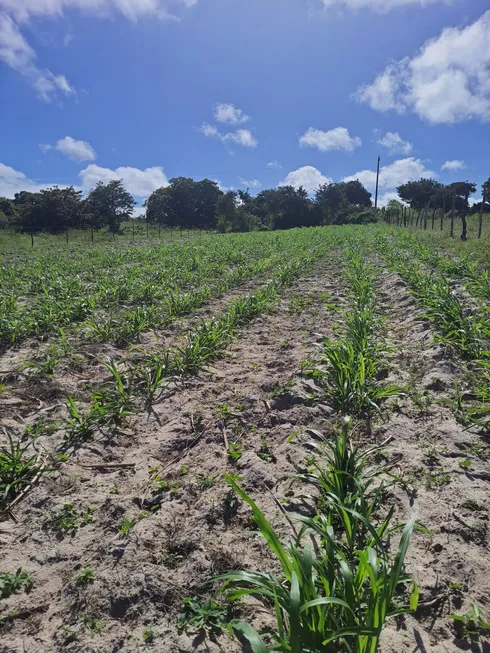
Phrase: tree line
(187, 204)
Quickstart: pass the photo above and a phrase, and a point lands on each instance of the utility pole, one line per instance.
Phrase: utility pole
(377, 183)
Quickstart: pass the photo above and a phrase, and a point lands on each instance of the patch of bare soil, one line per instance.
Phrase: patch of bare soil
(182, 523)
(445, 481)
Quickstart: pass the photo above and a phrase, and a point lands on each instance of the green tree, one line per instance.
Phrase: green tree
(461, 190)
(418, 194)
(52, 209)
(356, 194)
(332, 200)
(7, 212)
(109, 204)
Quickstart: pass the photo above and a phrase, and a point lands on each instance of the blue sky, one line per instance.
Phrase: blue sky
(251, 93)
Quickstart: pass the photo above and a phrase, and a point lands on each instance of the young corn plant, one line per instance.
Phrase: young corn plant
(323, 601)
(18, 469)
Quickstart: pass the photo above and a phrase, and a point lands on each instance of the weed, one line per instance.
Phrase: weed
(472, 624)
(436, 479)
(85, 576)
(235, 451)
(69, 518)
(149, 636)
(205, 482)
(126, 526)
(264, 452)
(12, 582)
(202, 614)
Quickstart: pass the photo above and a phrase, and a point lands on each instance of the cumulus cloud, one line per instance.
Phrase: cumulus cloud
(242, 137)
(75, 150)
(12, 181)
(229, 114)
(393, 175)
(377, 5)
(45, 147)
(395, 144)
(334, 139)
(274, 165)
(250, 183)
(139, 183)
(16, 53)
(308, 177)
(454, 165)
(446, 82)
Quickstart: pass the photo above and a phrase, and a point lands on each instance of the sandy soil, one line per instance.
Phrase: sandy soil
(184, 530)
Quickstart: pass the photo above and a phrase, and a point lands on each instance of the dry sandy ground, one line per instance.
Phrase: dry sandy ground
(185, 532)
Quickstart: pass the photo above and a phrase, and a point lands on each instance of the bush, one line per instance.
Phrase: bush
(363, 217)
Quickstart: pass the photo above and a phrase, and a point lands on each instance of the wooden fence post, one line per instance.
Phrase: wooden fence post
(465, 227)
(453, 208)
(480, 217)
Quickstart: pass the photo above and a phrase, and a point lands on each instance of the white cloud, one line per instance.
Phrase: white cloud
(240, 136)
(274, 164)
(229, 114)
(452, 166)
(377, 5)
(308, 177)
(222, 187)
(12, 181)
(447, 81)
(475, 200)
(209, 130)
(139, 183)
(16, 53)
(385, 199)
(138, 211)
(393, 175)
(75, 150)
(395, 144)
(45, 147)
(251, 183)
(334, 139)
(22, 10)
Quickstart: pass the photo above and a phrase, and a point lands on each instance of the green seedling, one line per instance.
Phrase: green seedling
(12, 582)
(85, 576)
(235, 451)
(202, 614)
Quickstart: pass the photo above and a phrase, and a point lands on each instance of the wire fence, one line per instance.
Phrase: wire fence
(130, 232)
(464, 223)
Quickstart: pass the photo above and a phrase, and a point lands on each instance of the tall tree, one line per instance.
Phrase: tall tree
(52, 209)
(332, 200)
(418, 194)
(356, 194)
(109, 204)
(462, 190)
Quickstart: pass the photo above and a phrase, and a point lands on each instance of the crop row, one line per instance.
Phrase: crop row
(339, 575)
